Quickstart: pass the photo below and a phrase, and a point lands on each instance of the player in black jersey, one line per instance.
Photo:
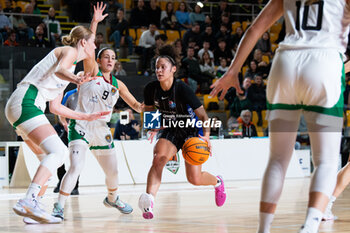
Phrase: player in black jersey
(177, 103)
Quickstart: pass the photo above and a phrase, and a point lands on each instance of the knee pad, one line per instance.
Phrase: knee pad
(56, 152)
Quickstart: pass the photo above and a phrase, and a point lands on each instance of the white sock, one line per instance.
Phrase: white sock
(112, 195)
(62, 199)
(33, 191)
(265, 221)
(313, 219)
(330, 203)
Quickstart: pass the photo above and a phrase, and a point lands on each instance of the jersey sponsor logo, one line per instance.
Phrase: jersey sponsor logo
(108, 138)
(172, 104)
(114, 90)
(94, 99)
(151, 120)
(156, 103)
(98, 83)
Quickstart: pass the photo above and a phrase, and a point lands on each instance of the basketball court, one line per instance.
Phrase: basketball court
(179, 207)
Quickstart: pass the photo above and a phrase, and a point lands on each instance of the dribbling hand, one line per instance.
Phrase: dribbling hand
(224, 83)
(208, 141)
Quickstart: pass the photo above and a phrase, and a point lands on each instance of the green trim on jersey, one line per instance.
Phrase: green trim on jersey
(29, 110)
(111, 146)
(336, 110)
(73, 134)
(75, 63)
(114, 79)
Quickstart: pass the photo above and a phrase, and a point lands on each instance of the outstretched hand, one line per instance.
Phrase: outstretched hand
(97, 115)
(84, 78)
(98, 12)
(224, 83)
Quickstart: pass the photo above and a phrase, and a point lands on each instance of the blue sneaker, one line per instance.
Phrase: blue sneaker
(123, 207)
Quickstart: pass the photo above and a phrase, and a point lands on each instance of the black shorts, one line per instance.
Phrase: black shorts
(178, 136)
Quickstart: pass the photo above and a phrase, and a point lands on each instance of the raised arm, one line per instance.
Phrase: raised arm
(98, 16)
(270, 14)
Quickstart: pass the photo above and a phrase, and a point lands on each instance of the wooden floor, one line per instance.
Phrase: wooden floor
(178, 208)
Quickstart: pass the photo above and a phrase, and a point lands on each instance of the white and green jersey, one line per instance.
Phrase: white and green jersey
(98, 95)
(43, 77)
(316, 25)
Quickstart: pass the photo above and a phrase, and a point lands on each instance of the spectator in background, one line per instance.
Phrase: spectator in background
(221, 70)
(153, 13)
(193, 33)
(9, 6)
(138, 15)
(222, 52)
(53, 25)
(264, 44)
(194, 74)
(240, 103)
(207, 65)
(98, 41)
(183, 17)
(127, 129)
(237, 36)
(39, 40)
(179, 51)
(225, 20)
(31, 21)
(120, 32)
(263, 67)
(11, 39)
(161, 40)
(118, 69)
(24, 32)
(36, 9)
(168, 17)
(209, 22)
(218, 11)
(112, 8)
(225, 34)
(245, 125)
(206, 48)
(146, 43)
(208, 35)
(252, 70)
(197, 16)
(257, 95)
(5, 24)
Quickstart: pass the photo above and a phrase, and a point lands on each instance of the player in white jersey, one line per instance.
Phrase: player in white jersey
(306, 77)
(100, 94)
(25, 111)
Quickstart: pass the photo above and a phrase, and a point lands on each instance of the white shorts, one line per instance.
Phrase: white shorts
(311, 81)
(25, 110)
(96, 133)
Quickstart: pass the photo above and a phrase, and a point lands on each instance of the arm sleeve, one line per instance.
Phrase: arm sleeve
(148, 93)
(188, 95)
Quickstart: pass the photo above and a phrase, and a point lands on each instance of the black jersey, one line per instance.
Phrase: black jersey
(178, 103)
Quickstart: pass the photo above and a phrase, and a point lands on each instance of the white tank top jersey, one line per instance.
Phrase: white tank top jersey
(98, 95)
(323, 24)
(43, 78)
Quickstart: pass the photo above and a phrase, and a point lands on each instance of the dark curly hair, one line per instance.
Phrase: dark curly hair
(168, 52)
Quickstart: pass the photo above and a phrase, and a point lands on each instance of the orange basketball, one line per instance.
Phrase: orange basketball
(195, 151)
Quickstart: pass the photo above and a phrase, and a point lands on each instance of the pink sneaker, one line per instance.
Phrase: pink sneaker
(220, 194)
(146, 205)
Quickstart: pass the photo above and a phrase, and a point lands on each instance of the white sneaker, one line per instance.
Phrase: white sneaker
(31, 209)
(329, 216)
(28, 220)
(146, 203)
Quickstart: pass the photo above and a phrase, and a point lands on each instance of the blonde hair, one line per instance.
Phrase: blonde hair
(77, 33)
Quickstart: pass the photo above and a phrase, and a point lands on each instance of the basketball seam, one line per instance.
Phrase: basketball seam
(194, 161)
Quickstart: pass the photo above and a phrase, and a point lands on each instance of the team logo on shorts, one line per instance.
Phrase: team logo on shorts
(108, 138)
(151, 120)
(173, 165)
(114, 90)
